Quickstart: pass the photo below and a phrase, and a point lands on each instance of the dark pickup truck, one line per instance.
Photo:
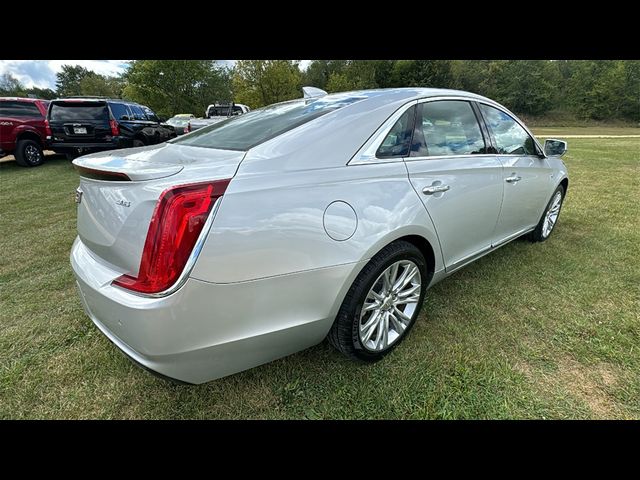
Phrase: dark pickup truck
(23, 129)
(83, 125)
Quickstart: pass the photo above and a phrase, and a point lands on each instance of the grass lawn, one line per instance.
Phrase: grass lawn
(560, 131)
(549, 330)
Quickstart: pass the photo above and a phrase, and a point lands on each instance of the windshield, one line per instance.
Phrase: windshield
(246, 131)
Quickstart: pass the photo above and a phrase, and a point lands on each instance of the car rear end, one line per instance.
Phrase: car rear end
(148, 219)
(83, 125)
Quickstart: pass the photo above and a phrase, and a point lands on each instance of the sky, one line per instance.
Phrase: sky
(42, 73)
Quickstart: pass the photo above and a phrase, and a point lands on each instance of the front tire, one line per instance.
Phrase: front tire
(549, 218)
(29, 153)
(382, 304)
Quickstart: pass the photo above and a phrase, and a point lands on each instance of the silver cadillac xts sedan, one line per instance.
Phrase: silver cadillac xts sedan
(327, 216)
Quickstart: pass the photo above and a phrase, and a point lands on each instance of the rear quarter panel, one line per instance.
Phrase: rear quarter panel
(272, 224)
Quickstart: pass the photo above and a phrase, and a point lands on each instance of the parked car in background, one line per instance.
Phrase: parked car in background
(87, 124)
(181, 123)
(225, 110)
(331, 216)
(23, 129)
(218, 112)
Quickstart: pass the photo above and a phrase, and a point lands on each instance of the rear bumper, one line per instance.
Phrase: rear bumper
(206, 331)
(112, 145)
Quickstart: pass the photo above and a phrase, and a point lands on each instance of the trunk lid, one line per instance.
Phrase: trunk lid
(120, 190)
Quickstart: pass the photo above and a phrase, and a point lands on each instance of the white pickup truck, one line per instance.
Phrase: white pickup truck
(216, 112)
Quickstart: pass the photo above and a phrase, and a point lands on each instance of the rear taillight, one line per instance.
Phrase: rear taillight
(175, 226)
(115, 128)
(47, 129)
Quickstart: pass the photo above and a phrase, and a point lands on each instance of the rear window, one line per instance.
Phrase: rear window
(77, 111)
(224, 110)
(246, 131)
(178, 122)
(19, 109)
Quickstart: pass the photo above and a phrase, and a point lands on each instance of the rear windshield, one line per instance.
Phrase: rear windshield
(75, 111)
(181, 122)
(246, 131)
(224, 110)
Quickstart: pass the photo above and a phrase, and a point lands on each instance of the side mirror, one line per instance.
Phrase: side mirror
(124, 117)
(554, 148)
(162, 119)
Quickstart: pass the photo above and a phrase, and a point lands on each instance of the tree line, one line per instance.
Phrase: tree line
(586, 89)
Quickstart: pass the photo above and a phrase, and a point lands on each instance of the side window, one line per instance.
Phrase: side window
(119, 110)
(397, 141)
(138, 114)
(446, 128)
(19, 109)
(150, 115)
(509, 136)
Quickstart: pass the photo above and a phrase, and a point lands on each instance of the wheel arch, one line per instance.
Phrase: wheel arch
(565, 184)
(29, 135)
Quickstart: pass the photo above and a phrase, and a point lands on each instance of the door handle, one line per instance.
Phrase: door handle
(435, 189)
(513, 179)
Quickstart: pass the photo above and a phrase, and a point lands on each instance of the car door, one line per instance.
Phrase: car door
(526, 174)
(459, 182)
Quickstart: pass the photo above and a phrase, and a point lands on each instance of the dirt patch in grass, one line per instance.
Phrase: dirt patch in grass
(590, 384)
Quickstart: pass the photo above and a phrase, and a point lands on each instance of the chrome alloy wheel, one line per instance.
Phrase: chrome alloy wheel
(390, 305)
(551, 216)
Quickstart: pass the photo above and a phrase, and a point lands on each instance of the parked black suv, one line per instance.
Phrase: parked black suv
(82, 125)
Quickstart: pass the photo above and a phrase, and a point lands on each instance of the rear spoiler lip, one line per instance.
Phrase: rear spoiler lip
(96, 174)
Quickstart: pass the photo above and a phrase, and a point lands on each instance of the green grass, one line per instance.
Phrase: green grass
(559, 131)
(550, 330)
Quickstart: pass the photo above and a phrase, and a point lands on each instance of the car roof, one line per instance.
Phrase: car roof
(96, 99)
(23, 99)
(410, 93)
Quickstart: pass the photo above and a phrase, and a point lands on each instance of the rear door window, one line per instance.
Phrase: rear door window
(19, 109)
(78, 111)
(447, 128)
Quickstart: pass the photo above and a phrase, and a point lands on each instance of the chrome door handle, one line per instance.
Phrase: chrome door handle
(513, 179)
(435, 189)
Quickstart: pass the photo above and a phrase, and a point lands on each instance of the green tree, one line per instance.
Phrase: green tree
(421, 73)
(69, 78)
(527, 86)
(263, 82)
(44, 93)
(99, 85)
(10, 86)
(339, 82)
(318, 72)
(631, 92)
(176, 86)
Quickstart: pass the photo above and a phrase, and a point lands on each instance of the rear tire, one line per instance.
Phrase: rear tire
(349, 333)
(29, 153)
(550, 217)
(138, 143)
